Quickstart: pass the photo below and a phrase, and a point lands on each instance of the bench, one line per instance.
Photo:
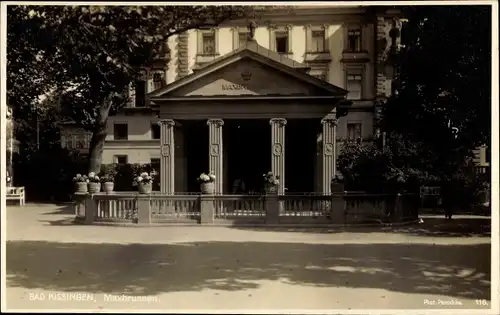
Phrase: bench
(16, 193)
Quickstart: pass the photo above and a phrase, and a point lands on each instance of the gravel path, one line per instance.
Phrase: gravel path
(54, 265)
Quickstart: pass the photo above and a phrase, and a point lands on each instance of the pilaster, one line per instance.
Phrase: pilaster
(216, 157)
(329, 151)
(278, 151)
(167, 159)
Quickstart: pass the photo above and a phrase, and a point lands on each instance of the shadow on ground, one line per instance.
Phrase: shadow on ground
(452, 270)
(62, 209)
(432, 226)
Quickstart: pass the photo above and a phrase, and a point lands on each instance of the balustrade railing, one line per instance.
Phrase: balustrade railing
(239, 206)
(336, 208)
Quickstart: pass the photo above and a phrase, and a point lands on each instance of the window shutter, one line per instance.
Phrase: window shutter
(272, 38)
(200, 42)
(236, 38)
(131, 95)
(289, 30)
(327, 41)
(308, 30)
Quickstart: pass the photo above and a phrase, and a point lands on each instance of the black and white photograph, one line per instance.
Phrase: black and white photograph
(250, 157)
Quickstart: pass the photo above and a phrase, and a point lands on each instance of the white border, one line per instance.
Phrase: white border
(495, 217)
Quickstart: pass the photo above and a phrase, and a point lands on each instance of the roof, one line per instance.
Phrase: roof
(262, 55)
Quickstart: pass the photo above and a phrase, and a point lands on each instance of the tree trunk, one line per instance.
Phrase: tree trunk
(95, 150)
(98, 137)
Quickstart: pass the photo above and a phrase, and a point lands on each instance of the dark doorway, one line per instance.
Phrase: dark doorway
(300, 154)
(248, 149)
(196, 148)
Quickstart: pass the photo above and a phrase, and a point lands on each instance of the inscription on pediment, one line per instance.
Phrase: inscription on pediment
(246, 77)
(236, 87)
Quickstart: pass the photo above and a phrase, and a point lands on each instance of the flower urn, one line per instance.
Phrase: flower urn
(108, 187)
(271, 189)
(145, 188)
(81, 188)
(207, 188)
(94, 187)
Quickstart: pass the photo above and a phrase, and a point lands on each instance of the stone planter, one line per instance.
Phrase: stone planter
(336, 187)
(145, 188)
(271, 189)
(207, 188)
(81, 188)
(108, 187)
(94, 187)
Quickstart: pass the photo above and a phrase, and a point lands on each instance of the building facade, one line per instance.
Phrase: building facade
(240, 100)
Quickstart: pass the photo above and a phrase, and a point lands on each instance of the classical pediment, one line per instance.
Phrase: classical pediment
(246, 77)
(248, 73)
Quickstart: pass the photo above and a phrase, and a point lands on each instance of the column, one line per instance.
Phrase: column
(215, 154)
(167, 160)
(329, 151)
(278, 151)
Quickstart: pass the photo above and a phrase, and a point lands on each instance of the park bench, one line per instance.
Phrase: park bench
(16, 193)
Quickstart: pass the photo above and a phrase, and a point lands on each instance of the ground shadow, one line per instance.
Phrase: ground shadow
(146, 269)
(433, 226)
(62, 209)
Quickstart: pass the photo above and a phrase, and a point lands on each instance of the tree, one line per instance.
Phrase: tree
(440, 109)
(92, 54)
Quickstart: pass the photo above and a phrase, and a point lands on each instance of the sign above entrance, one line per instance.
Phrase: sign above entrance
(236, 87)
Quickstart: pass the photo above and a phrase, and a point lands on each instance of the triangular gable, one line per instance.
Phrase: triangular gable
(248, 72)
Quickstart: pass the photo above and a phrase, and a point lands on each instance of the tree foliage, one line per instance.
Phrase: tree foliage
(440, 109)
(90, 55)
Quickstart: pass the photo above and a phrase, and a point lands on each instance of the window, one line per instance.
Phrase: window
(208, 43)
(140, 93)
(81, 141)
(353, 130)
(121, 159)
(354, 40)
(354, 86)
(120, 132)
(318, 41)
(68, 142)
(282, 42)
(155, 131)
(158, 81)
(242, 39)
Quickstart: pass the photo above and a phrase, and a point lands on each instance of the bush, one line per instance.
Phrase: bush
(364, 167)
(126, 173)
(48, 174)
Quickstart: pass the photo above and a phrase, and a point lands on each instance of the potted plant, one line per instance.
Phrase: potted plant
(271, 183)
(8, 180)
(207, 183)
(94, 183)
(108, 183)
(108, 178)
(144, 183)
(336, 184)
(81, 183)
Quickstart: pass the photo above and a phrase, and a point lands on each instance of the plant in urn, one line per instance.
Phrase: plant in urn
(108, 183)
(144, 183)
(271, 183)
(81, 184)
(108, 179)
(94, 183)
(207, 183)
